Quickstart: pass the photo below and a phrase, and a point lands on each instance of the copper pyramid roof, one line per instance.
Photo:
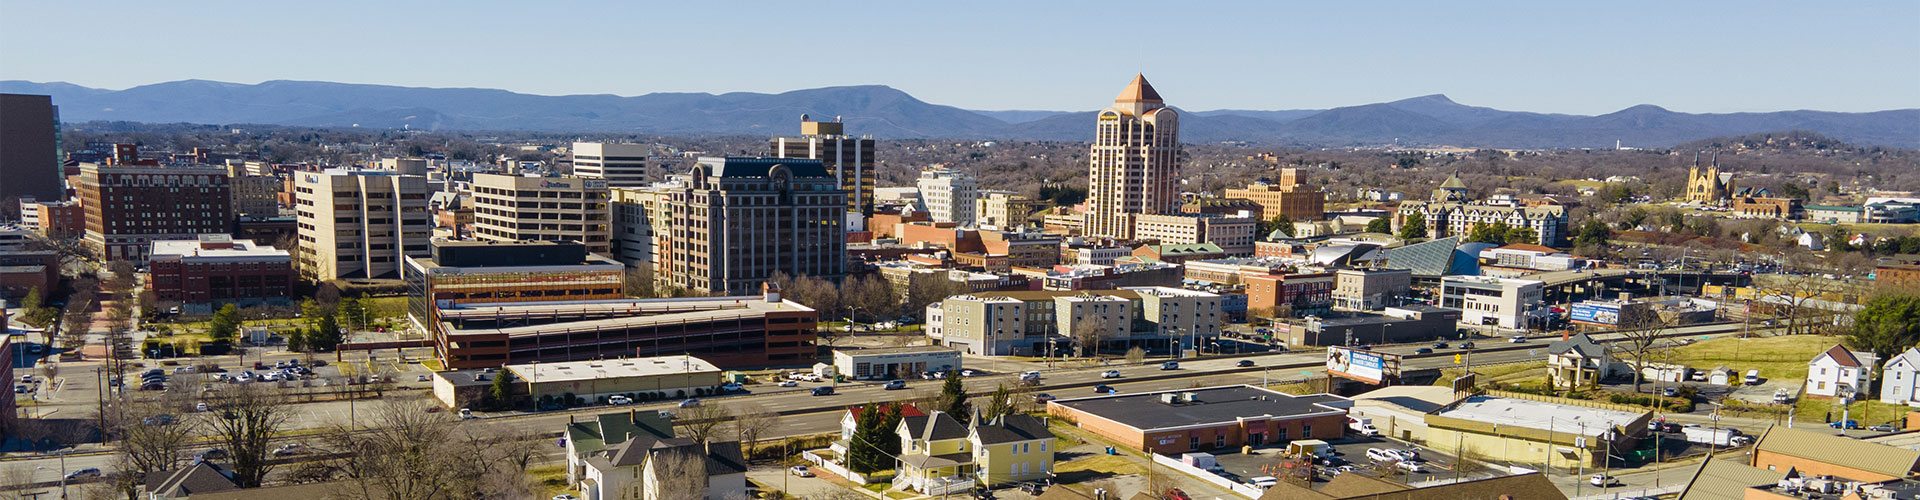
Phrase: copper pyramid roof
(1138, 91)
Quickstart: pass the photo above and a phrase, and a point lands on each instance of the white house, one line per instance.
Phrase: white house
(1898, 379)
(1839, 373)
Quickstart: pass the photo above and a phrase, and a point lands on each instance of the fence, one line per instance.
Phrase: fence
(1245, 490)
(1568, 401)
(823, 458)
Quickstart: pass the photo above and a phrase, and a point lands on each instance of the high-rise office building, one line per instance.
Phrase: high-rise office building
(29, 148)
(1002, 209)
(516, 208)
(848, 159)
(948, 195)
(621, 165)
(1135, 164)
(129, 206)
(737, 220)
(359, 223)
(1291, 197)
(642, 225)
(254, 196)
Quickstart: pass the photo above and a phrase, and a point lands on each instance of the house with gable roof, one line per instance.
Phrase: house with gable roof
(635, 456)
(937, 452)
(1839, 372)
(1577, 362)
(1900, 379)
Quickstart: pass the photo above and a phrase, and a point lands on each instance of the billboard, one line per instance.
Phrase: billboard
(1596, 313)
(1365, 366)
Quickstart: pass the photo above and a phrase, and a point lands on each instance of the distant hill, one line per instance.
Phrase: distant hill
(885, 112)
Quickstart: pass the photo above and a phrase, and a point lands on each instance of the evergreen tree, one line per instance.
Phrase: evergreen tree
(890, 420)
(1522, 234)
(225, 324)
(326, 334)
(1000, 404)
(500, 395)
(353, 312)
(1380, 225)
(1593, 232)
(953, 397)
(1282, 223)
(297, 340)
(863, 452)
(1414, 227)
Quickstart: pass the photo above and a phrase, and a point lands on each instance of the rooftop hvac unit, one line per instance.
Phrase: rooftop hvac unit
(1170, 398)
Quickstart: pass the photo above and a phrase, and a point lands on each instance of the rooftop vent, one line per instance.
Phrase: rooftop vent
(1170, 398)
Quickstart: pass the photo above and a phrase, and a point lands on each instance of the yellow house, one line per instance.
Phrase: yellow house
(939, 454)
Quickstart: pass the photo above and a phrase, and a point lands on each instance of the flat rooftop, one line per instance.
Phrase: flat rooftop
(1537, 415)
(579, 371)
(917, 349)
(240, 249)
(1214, 405)
(629, 313)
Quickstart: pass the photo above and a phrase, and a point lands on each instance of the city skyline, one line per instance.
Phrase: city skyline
(1706, 57)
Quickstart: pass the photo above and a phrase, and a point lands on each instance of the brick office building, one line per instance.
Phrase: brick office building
(130, 206)
(1206, 419)
(214, 269)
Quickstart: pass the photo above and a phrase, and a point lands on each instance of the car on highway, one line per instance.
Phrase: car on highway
(618, 399)
(289, 449)
(1110, 374)
(1170, 365)
(1423, 350)
(969, 372)
(800, 470)
(422, 378)
(1517, 340)
(1440, 345)
(1042, 397)
(895, 384)
(80, 473)
(466, 414)
(731, 387)
(211, 454)
(789, 383)
(1244, 363)
(823, 391)
(1670, 391)
(1466, 345)
(690, 403)
(1104, 389)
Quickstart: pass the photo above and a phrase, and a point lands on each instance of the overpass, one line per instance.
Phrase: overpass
(1582, 284)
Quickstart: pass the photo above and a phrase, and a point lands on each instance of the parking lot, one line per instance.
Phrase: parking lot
(1271, 461)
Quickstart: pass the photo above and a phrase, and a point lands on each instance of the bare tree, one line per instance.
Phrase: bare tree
(1637, 337)
(680, 473)
(703, 422)
(151, 438)
(14, 480)
(749, 423)
(245, 418)
(1086, 336)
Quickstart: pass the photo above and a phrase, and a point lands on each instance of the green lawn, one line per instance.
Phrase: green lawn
(1869, 413)
(1784, 357)
(549, 481)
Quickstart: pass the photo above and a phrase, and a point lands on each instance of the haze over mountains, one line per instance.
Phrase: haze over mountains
(885, 112)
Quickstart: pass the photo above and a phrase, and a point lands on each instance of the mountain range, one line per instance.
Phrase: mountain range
(885, 112)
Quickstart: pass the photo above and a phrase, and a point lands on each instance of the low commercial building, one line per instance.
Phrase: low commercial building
(1519, 430)
(202, 274)
(1035, 323)
(1400, 411)
(1487, 300)
(1393, 325)
(1819, 453)
(895, 362)
(673, 377)
(1370, 289)
(740, 331)
(1297, 293)
(466, 272)
(1205, 419)
(1234, 235)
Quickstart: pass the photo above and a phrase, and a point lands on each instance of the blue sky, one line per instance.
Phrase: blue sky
(1547, 56)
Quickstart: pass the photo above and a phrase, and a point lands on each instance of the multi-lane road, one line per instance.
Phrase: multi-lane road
(804, 414)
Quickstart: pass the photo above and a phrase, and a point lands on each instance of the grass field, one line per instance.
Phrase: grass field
(1113, 464)
(549, 481)
(1784, 357)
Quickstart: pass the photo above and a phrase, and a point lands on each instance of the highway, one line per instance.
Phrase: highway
(804, 414)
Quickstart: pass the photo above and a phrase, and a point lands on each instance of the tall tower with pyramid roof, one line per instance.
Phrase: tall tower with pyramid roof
(1135, 165)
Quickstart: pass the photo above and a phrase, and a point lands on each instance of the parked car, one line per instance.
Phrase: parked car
(1042, 397)
(1104, 389)
(1031, 488)
(1384, 455)
(1603, 480)
(1170, 365)
(1845, 424)
(896, 384)
(1264, 481)
(800, 470)
(565, 496)
(1110, 374)
(789, 383)
(1882, 428)
(690, 403)
(969, 372)
(1177, 494)
(731, 387)
(212, 454)
(823, 391)
(1244, 363)
(1410, 466)
(466, 414)
(618, 399)
(1670, 392)
(422, 378)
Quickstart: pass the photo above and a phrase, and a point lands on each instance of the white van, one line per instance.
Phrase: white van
(1753, 377)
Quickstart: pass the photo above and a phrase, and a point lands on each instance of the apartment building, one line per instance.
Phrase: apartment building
(1002, 209)
(54, 219)
(1370, 289)
(1135, 161)
(738, 220)
(359, 223)
(848, 160)
(203, 273)
(1234, 235)
(1300, 293)
(1291, 197)
(516, 208)
(643, 226)
(1488, 300)
(620, 165)
(129, 206)
(1034, 323)
(948, 195)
